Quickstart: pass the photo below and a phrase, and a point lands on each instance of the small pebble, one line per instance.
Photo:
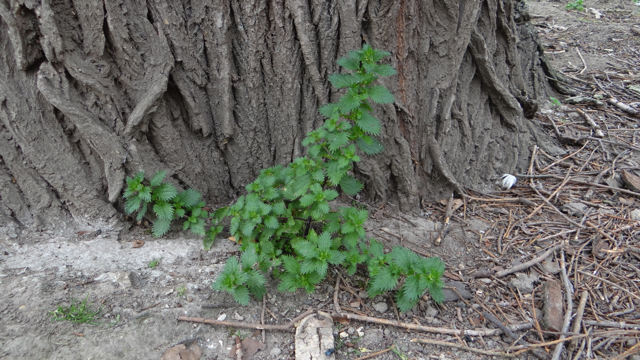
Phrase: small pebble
(222, 317)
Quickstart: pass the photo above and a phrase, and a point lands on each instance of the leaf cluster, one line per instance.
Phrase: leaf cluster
(166, 203)
(286, 223)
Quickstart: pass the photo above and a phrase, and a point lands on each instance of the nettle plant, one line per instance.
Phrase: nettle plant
(286, 224)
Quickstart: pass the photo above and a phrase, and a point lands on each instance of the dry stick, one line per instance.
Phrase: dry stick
(238, 348)
(284, 327)
(624, 107)
(625, 191)
(437, 330)
(596, 128)
(612, 324)
(462, 347)
(264, 306)
(600, 231)
(375, 353)
(556, 209)
(539, 353)
(583, 62)
(336, 304)
(447, 216)
(610, 283)
(529, 263)
(565, 158)
(632, 350)
(567, 315)
(577, 322)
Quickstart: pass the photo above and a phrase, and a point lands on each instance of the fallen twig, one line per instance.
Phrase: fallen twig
(462, 347)
(624, 107)
(376, 353)
(567, 316)
(610, 283)
(577, 321)
(285, 327)
(437, 330)
(529, 263)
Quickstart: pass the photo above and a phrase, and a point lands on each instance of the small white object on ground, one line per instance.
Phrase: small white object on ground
(508, 181)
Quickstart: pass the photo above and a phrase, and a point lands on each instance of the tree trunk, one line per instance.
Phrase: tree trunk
(215, 90)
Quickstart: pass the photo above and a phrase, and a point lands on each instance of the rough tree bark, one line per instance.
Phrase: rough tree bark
(215, 90)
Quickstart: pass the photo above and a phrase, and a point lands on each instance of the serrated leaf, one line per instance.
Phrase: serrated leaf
(300, 185)
(324, 241)
(235, 223)
(349, 102)
(198, 228)
(369, 145)
(318, 175)
(241, 295)
(190, 197)
(368, 123)
(160, 227)
(157, 178)
(249, 257)
(132, 204)
(336, 257)
(384, 280)
(179, 213)
(306, 249)
(143, 211)
(329, 110)
(403, 303)
(247, 228)
(337, 140)
(350, 185)
(165, 192)
(380, 94)
(335, 172)
(341, 80)
(404, 258)
(279, 208)
(145, 193)
(350, 63)
(384, 70)
(163, 210)
(330, 194)
(271, 222)
(307, 200)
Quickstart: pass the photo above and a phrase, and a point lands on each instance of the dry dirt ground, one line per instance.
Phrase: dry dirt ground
(597, 51)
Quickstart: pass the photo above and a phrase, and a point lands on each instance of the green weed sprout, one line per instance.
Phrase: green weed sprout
(79, 312)
(575, 5)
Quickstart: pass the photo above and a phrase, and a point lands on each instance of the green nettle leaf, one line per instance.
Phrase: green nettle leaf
(350, 62)
(165, 192)
(384, 280)
(271, 222)
(145, 193)
(380, 94)
(350, 185)
(335, 172)
(132, 204)
(241, 295)
(161, 227)
(337, 140)
(143, 211)
(163, 210)
(341, 80)
(368, 123)
(189, 197)
(198, 228)
(157, 178)
(307, 200)
(369, 145)
(384, 70)
(349, 102)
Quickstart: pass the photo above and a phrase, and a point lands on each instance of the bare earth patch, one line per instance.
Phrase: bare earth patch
(568, 230)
